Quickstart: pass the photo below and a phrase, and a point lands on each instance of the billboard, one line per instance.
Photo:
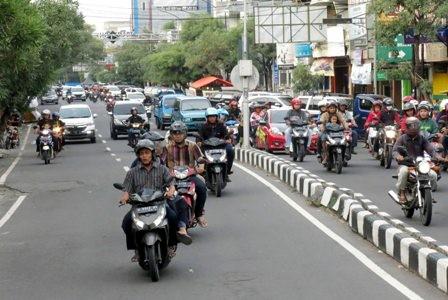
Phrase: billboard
(286, 55)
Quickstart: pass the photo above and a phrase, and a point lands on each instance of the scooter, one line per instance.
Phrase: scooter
(215, 164)
(150, 226)
(186, 189)
(418, 190)
(135, 131)
(299, 138)
(372, 139)
(336, 147)
(46, 146)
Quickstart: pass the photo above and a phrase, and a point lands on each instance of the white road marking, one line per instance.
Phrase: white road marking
(118, 159)
(99, 135)
(126, 168)
(11, 211)
(346, 245)
(112, 154)
(26, 138)
(9, 170)
(108, 149)
(104, 142)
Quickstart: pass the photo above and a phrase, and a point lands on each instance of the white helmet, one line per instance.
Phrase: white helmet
(415, 102)
(46, 112)
(322, 103)
(443, 103)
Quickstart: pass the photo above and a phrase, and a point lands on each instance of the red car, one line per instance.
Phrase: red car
(270, 134)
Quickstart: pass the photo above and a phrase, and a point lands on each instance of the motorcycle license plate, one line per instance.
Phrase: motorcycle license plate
(337, 135)
(147, 209)
(183, 184)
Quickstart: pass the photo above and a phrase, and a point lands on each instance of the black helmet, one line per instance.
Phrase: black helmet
(388, 102)
(412, 126)
(144, 144)
(408, 106)
(178, 126)
(55, 115)
(133, 109)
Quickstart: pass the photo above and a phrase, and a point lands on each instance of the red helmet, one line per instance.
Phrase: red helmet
(296, 101)
(377, 103)
(407, 99)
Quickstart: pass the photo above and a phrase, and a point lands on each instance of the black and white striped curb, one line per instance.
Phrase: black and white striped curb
(415, 251)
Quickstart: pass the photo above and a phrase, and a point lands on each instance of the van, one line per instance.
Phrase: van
(190, 110)
(79, 123)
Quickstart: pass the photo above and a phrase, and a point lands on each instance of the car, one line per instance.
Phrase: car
(270, 134)
(162, 93)
(190, 110)
(223, 98)
(277, 100)
(78, 93)
(310, 104)
(164, 110)
(120, 113)
(79, 122)
(135, 96)
(114, 90)
(362, 104)
(49, 97)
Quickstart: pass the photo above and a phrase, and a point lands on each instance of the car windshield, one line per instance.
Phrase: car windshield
(50, 93)
(169, 102)
(125, 109)
(112, 88)
(135, 96)
(75, 112)
(77, 89)
(278, 116)
(194, 104)
(169, 92)
(286, 100)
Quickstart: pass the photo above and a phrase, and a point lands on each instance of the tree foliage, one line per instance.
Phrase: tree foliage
(304, 81)
(129, 59)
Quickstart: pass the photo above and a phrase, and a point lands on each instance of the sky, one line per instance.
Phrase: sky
(98, 11)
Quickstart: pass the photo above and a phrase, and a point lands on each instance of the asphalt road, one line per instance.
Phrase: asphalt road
(65, 240)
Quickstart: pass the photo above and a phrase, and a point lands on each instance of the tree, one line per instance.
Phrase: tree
(169, 26)
(423, 18)
(129, 59)
(304, 81)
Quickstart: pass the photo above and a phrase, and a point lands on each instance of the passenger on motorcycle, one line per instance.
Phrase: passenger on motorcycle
(182, 152)
(222, 115)
(426, 123)
(134, 118)
(348, 116)
(213, 128)
(389, 116)
(324, 119)
(322, 104)
(443, 114)
(255, 118)
(374, 116)
(409, 110)
(56, 122)
(295, 111)
(151, 174)
(416, 145)
(234, 111)
(44, 122)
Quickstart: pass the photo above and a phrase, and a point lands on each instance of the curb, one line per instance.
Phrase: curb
(414, 250)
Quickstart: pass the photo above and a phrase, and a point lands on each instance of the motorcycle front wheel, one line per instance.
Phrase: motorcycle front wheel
(426, 209)
(388, 157)
(153, 266)
(301, 152)
(219, 184)
(339, 163)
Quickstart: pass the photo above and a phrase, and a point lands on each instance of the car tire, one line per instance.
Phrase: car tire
(93, 140)
(113, 135)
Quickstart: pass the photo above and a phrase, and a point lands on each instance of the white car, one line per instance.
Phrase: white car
(79, 122)
(135, 96)
(114, 90)
(277, 100)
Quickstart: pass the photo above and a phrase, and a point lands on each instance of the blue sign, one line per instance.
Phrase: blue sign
(276, 75)
(442, 35)
(304, 50)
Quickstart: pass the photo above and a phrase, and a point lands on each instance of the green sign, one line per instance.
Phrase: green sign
(381, 76)
(394, 54)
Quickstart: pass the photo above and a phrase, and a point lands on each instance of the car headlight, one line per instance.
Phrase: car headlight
(139, 223)
(187, 120)
(424, 167)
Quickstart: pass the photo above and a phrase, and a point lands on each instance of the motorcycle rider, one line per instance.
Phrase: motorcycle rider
(416, 145)
(214, 128)
(426, 123)
(56, 122)
(134, 118)
(348, 116)
(389, 116)
(149, 173)
(295, 111)
(182, 152)
(44, 122)
(234, 111)
(409, 110)
(322, 105)
(373, 119)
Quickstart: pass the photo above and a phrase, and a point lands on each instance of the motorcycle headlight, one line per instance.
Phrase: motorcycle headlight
(208, 157)
(331, 141)
(390, 134)
(181, 175)
(139, 223)
(223, 157)
(275, 130)
(424, 167)
(160, 218)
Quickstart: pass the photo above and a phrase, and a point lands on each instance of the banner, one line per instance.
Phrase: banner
(362, 74)
(286, 55)
(323, 66)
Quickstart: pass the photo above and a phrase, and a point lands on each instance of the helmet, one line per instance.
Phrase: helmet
(415, 102)
(296, 101)
(408, 106)
(46, 112)
(211, 111)
(424, 106)
(55, 115)
(144, 144)
(407, 99)
(332, 103)
(342, 102)
(429, 104)
(412, 126)
(388, 102)
(443, 104)
(223, 112)
(133, 109)
(322, 103)
(377, 103)
(178, 126)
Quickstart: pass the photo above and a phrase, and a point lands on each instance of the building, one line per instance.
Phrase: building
(117, 26)
(140, 16)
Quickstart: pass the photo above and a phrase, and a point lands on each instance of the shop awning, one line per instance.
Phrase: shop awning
(203, 82)
(323, 66)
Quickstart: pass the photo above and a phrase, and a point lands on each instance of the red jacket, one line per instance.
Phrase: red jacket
(373, 118)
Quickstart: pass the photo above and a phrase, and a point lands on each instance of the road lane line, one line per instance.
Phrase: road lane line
(99, 135)
(11, 211)
(108, 149)
(346, 245)
(9, 170)
(126, 169)
(104, 142)
(26, 138)
(118, 159)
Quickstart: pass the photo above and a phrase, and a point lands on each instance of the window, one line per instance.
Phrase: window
(143, 4)
(75, 113)
(169, 102)
(365, 104)
(278, 116)
(195, 104)
(126, 109)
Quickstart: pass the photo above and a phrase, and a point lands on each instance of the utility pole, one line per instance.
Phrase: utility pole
(246, 115)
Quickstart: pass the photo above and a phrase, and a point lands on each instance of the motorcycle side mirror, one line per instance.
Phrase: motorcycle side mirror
(118, 186)
(95, 116)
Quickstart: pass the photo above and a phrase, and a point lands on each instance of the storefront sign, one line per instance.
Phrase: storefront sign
(362, 74)
(357, 57)
(304, 50)
(323, 66)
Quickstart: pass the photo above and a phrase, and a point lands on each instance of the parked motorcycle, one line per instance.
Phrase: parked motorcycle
(336, 147)
(46, 146)
(12, 139)
(387, 141)
(150, 226)
(418, 190)
(299, 138)
(215, 164)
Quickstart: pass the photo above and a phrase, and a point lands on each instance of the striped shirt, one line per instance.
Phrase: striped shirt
(182, 155)
(140, 177)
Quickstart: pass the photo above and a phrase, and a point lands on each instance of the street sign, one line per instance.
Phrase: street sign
(381, 75)
(304, 50)
(276, 74)
(238, 82)
(394, 54)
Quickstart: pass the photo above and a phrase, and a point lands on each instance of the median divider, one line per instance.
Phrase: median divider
(414, 250)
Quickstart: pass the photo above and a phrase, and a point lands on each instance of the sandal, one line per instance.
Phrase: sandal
(202, 221)
(172, 251)
(184, 238)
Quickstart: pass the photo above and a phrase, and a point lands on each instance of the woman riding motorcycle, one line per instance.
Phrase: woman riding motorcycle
(409, 110)
(295, 111)
(426, 123)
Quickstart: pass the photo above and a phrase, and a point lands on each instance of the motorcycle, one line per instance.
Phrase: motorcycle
(233, 128)
(299, 139)
(372, 139)
(57, 134)
(12, 139)
(150, 226)
(135, 130)
(186, 189)
(46, 146)
(418, 190)
(387, 139)
(336, 147)
(215, 164)
(110, 103)
(70, 99)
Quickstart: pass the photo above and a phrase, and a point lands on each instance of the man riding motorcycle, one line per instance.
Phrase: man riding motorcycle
(416, 145)
(426, 123)
(44, 122)
(181, 152)
(389, 116)
(213, 128)
(295, 111)
(134, 118)
(348, 116)
(149, 173)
